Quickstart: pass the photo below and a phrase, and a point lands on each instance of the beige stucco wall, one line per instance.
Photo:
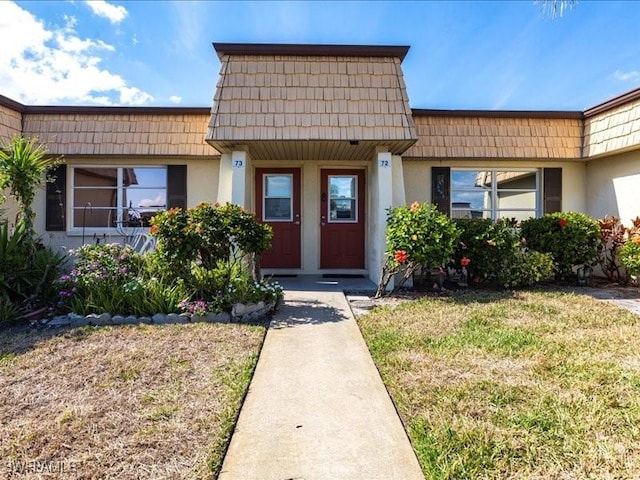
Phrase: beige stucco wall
(417, 178)
(202, 186)
(613, 186)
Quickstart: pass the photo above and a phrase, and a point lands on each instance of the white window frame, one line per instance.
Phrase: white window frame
(111, 229)
(494, 190)
(356, 198)
(265, 197)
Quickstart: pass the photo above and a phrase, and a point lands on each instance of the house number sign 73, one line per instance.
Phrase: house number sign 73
(238, 163)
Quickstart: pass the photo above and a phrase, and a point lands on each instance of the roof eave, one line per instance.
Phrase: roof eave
(324, 50)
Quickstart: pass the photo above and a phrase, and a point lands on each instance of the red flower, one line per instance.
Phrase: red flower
(464, 261)
(562, 222)
(401, 256)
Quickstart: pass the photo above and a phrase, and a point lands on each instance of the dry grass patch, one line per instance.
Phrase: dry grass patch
(123, 402)
(513, 384)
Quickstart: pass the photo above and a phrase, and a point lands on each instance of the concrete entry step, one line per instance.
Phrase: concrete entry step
(317, 407)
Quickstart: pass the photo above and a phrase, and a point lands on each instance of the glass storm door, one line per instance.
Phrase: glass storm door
(342, 200)
(278, 204)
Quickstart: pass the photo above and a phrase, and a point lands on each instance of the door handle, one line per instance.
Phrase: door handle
(297, 222)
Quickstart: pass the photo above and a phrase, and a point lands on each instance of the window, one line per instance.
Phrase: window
(278, 198)
(494, 194)
(106, 197)
(343, 198)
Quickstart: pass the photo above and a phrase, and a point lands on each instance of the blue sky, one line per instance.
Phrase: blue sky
(464, 55)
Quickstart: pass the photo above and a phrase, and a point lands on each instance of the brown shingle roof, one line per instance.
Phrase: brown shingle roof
(10, 119)
(120, 130)
(307, 97)
(613, 129)
(443, 135)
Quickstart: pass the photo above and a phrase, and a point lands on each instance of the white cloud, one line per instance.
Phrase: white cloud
(632, 76)
(159, 201)
(39, 65)
(113, 13)
(175, 99)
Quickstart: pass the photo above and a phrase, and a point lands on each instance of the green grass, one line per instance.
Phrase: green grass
(513, 384)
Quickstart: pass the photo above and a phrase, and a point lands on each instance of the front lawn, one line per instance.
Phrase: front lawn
(513, 384)
(127, 402)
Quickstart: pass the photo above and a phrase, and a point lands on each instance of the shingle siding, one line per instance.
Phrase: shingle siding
(310, 98)
(10, 123)
(613, 131)
(495, 137)
(121, 134)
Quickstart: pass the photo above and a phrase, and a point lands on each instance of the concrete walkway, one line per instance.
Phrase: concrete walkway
(316, 407)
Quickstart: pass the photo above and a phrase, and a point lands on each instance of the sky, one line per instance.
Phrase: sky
(500, 55)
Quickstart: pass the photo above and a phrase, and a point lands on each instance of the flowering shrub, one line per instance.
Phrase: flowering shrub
(612, 237)
(495, 253)
(113, 278)
(483, 246)
(571, 238)
(197, 307)
(207, 234)
(417, 236)
(630, 251)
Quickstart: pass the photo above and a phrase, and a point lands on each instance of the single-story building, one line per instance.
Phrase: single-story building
(318, 141)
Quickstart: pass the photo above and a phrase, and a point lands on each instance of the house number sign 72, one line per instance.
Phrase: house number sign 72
(383, 163)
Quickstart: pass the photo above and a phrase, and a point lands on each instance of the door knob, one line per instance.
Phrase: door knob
(297, 222)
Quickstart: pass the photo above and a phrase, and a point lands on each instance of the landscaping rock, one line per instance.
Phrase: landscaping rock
(59, 321)
(117, 319)
(172, 318)
(222, 317)
(102, 320)
(159, 318)
(184, 318)
(241, 309)
(130, 320)
(146, 320)
(77, 320)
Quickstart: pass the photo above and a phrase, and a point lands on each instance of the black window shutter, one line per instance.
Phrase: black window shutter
(177, 186)
(552, 190)
(441, 188)
(56, 200)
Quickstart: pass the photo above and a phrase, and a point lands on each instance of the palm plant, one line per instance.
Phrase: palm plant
(23, 167)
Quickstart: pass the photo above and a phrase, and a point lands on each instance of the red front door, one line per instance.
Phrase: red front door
(342, 200)
(278, 204)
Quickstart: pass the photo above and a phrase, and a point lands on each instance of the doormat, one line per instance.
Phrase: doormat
(284, 275)
(341, 275)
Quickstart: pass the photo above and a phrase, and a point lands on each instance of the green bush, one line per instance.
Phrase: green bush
(630, 257)
(418, 236)
(630, 251)
(525, 268)
(494, 253)
(208, 234)
(27, 272)
(116, 279)
(571, 238)
(485, 245)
